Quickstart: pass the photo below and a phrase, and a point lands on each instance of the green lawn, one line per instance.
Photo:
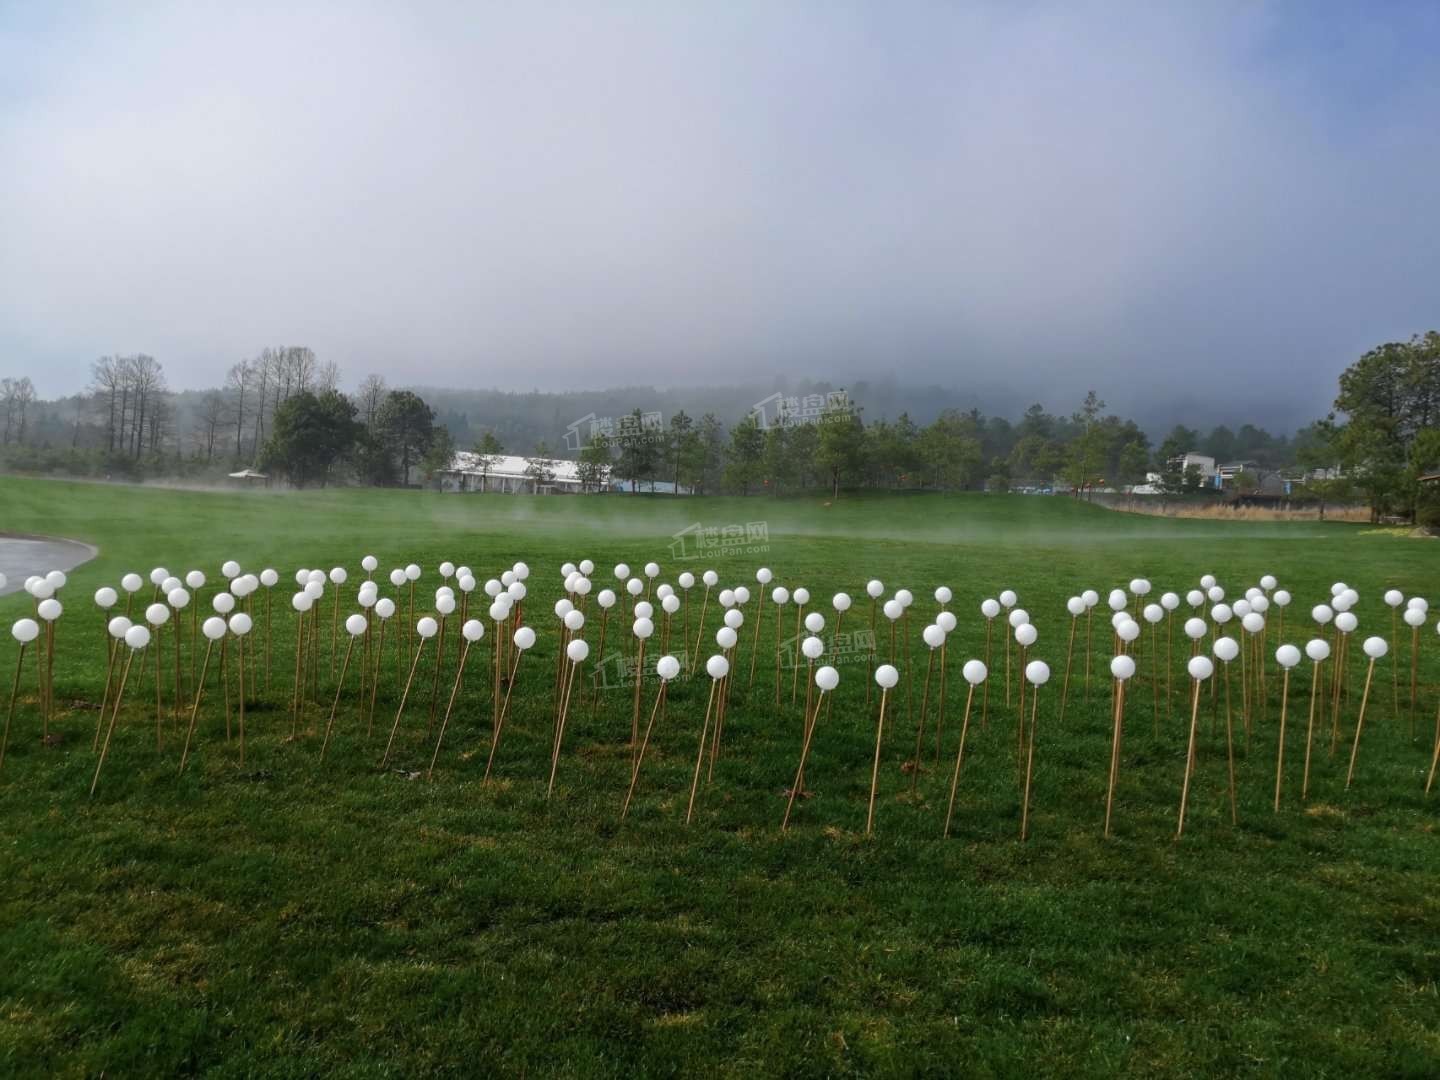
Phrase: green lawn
(290, 918)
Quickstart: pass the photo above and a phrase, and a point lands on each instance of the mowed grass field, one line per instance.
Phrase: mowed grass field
(290, 917)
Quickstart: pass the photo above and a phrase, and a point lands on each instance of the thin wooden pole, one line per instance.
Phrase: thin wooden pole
(10, 711)
(1414, 662)
(560, 733)
(985, 689)
(1310, 730)
(1280, 754)
(940, 716)
(635, 712)
(800, 772)
(959, 757)
(600, 655)
(700, 755)
(241, 647)
(755, 641)
(504, 711)
(700, 631)
(454, 690)
(875, 768)
(1029, 761)
(404, 696)
(644, 743)
(111, 645)
(920, 730)
(1189, 759)
(870, 665)
(779, 614)
(1434, 758)
(1069, 655)
(110, 730)
(195, 708)
(795, 671)
(375, 679)
(224, 677)
(1089, 627)
(435, 680)
(295, 692)
(330, 723)
(1117, 719)
(1359, 723)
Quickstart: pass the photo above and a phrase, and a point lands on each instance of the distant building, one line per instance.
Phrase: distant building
(1230, 470)
(1193, 459)
(507, 475)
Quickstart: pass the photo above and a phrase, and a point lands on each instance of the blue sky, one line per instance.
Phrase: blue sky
(1211, 205)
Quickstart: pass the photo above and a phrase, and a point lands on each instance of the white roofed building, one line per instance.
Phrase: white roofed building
(511, 474)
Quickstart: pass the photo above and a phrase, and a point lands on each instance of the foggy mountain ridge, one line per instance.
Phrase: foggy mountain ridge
(880, 399)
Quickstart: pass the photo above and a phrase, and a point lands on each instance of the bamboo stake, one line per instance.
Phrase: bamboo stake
(375, 680)
(504, 711)
(644, 744)
(1189, 759)
(1414, 662)
(195, 708)
(1434, 758)
(454, 690)
(1069, 654)
(959, 757)
(241, 647)
(1117, 719)
(1280, 754)
(1315, 678)
(809, 728)
(600, 652)
(1089, 628)
(155, 638)
(940, 717)
(795, 670)
(559, 735)
(110, 646)
(330, 723)
(10, 711)
(700, 631)
(700, 754)
(1360, 721)
(635, 712)
(404, 696)
(875, 769)
(755, 641)
(110, 730)
(435, 680)
(870, 663)
(985, 688)
(1029, 759)
(920, 730)
(779, 614)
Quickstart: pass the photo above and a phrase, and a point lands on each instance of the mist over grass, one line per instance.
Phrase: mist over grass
(286, 917)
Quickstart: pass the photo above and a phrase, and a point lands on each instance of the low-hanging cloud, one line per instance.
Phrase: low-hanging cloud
(1167, 202)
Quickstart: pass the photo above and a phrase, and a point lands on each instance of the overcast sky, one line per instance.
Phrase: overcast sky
(1157, 200)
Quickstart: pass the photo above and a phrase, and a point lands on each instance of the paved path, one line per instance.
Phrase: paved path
(21, 556)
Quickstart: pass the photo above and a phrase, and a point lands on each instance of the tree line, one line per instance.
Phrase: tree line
(282, 411)
(1384, 431)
